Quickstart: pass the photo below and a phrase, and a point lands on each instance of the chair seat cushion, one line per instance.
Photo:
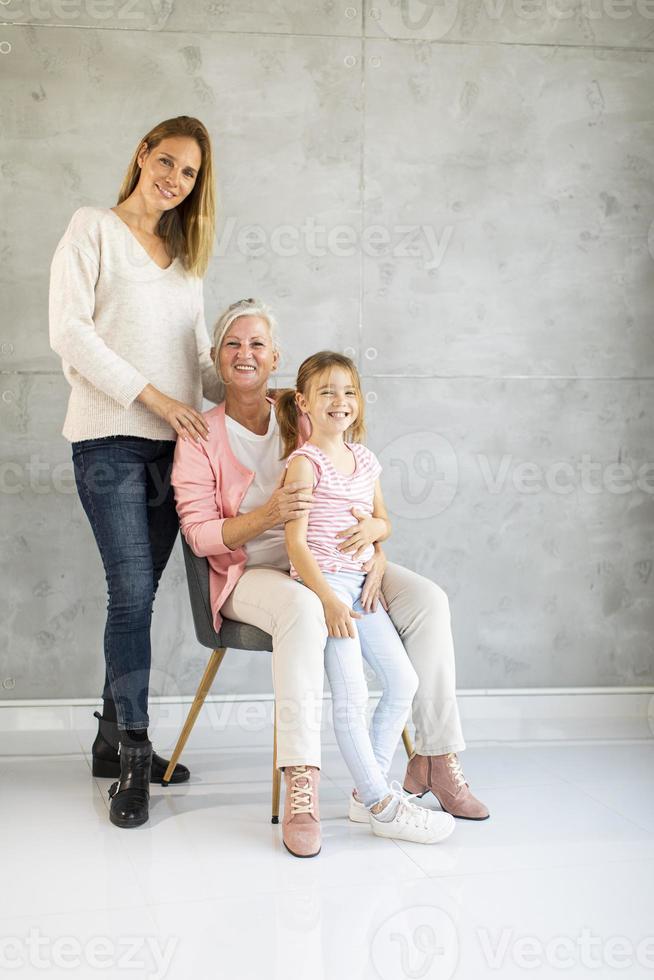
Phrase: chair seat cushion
(242, 636)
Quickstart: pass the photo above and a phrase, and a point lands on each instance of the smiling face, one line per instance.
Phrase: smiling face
(331, 401)
(169, 171)
(247, 357)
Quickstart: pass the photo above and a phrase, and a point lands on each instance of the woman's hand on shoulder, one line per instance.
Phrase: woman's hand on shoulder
(184, 419)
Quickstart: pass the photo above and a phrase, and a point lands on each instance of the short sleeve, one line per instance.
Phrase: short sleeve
(368, 457)
(317, 469)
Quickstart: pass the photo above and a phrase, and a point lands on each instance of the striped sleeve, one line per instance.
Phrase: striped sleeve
(368, 461)
(313, 459)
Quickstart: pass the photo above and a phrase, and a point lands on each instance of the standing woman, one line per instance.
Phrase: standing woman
(127, 319)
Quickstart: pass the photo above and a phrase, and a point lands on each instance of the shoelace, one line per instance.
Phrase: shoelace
(408, 812)
(301, 796)
(457, 771)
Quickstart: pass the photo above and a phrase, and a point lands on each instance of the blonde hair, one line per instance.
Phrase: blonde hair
(188, 229)
(288, 413)
(242, 307)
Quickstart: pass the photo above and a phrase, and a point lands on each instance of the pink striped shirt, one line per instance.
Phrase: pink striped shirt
(334, 496)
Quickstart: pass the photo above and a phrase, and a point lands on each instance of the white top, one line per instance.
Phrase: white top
(119, 322)
(263, 455)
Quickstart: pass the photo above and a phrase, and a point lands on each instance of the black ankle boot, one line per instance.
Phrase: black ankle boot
(106, 761)
(130, 796)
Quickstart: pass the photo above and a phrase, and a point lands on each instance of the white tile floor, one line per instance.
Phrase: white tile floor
(559, 882)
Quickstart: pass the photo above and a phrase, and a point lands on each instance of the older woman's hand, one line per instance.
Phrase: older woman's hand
(371, 592)
(183, 418)
(288, 503)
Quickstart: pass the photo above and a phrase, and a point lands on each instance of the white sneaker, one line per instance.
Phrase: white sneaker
(413, 823)
(357, 812)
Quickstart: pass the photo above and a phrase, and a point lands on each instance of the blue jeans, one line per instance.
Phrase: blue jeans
(368, 755)
(124, 485)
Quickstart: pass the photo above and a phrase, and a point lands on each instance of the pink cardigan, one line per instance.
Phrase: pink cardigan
(209, 484)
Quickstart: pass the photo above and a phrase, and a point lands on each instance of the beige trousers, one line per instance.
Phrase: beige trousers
(293, 615)
(420, 611)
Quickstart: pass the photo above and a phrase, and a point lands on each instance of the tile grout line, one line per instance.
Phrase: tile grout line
(20, 372)
(611, 809)
(447, 42)
(530, 869)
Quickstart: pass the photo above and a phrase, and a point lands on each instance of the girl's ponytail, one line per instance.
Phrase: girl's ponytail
(288, 420)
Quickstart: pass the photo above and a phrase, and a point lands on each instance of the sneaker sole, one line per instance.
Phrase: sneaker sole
(409, 840)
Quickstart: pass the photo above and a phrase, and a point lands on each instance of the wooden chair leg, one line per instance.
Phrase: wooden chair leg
(276, 775)
(204, 687)
(408, 744)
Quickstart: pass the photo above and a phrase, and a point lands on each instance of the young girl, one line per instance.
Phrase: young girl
(344, 475)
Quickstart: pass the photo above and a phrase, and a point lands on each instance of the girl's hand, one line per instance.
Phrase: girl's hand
(338, 617)
(288, 503)
(361, 535)
(371, 592)
(183, 418)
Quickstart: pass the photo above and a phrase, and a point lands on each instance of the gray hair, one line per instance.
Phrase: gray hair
(243, 307)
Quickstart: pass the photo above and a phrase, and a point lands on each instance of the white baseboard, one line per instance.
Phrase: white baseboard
(522, 715)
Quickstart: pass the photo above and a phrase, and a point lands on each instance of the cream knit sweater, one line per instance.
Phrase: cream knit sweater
(119, 322)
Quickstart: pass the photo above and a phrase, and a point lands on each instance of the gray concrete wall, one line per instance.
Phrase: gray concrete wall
(462, 196)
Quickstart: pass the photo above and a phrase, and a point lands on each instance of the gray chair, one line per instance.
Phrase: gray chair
(238, 636)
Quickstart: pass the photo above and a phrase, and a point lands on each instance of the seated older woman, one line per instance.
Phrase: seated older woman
(232, 510)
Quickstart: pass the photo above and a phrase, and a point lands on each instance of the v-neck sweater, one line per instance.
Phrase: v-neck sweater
(119, 322)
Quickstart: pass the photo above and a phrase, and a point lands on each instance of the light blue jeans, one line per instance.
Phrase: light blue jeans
(368, 754)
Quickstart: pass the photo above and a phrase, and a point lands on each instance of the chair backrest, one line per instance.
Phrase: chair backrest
(238, 636)
(197, 577)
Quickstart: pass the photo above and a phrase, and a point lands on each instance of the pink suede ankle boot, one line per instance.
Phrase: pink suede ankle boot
(442, 775)
(301, 821)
